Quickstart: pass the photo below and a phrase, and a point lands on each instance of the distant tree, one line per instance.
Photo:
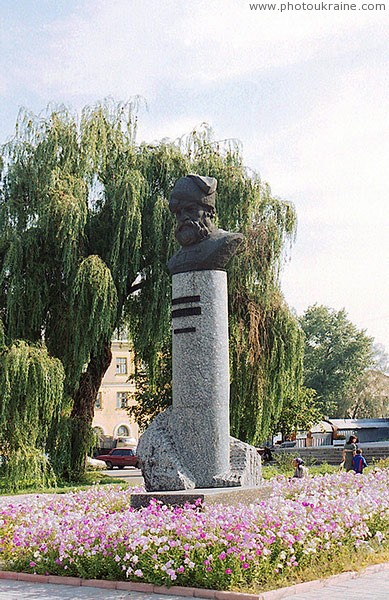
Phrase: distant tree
(370, 397)
(336, 358)
(380, 358)
(298, 414)
(85, 234)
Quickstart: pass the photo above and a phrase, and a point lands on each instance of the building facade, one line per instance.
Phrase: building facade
(111, 420)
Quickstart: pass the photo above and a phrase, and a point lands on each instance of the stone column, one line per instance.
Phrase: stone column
(201, 373)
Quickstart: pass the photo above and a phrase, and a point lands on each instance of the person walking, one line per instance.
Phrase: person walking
(349, 450)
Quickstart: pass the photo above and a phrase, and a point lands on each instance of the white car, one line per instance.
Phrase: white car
(93, 464)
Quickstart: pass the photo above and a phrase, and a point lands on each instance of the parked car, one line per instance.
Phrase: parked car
(120, 457)
(287, 445)
(92, 464)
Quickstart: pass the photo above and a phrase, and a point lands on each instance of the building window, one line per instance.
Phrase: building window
(121, 399)
(123, 431)
(98, 401)
(121, 365)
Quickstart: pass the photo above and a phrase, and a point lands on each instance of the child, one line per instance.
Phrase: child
(359, 462)
(299, 470)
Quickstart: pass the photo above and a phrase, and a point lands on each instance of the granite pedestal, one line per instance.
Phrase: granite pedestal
(189, 446)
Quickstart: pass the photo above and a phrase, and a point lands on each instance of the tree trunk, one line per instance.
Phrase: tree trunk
(83, 409)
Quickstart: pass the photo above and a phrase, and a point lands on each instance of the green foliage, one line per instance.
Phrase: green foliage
(32, 392)
(284, 462)
(266, 360)
(25, 469)
(85, 234)
(336, 356)
(383, 463)
(2, 337)
(369, 398)
(299, 413)
(282, 465)
(151, 395)
(54, 485)
(93, 294)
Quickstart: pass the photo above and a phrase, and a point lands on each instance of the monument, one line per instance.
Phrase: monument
(188, 446)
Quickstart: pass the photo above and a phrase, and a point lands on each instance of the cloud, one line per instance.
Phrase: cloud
(333, 152)
(130, 47)
(151, 130)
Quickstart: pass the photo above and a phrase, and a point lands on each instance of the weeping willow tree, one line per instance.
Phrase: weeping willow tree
(85, 234)
(32, 392)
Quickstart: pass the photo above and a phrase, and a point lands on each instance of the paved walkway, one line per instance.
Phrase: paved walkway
(20, 590)
(369, 586)
(374, 586)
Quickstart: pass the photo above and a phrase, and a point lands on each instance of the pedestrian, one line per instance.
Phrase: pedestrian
(349, 450)
(300, 470)
(359, 462)
(267, 455)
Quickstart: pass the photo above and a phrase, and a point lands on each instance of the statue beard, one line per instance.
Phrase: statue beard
(191, 232)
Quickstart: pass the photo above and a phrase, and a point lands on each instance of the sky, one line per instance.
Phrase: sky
(304, 91)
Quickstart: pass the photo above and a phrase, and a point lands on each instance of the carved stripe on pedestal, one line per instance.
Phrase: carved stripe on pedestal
(186, 312)
(185, 330)
(185, 300)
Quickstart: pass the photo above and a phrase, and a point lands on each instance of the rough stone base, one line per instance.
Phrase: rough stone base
(245, 466)
(164, 469)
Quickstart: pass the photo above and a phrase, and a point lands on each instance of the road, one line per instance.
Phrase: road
(131, 475)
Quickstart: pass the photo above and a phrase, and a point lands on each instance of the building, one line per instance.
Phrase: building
(366, 430)
(111, 419)
(336, 431)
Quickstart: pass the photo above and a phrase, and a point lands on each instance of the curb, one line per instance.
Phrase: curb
(148, 588)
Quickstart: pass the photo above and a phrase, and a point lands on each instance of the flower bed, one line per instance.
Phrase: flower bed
(94, 534)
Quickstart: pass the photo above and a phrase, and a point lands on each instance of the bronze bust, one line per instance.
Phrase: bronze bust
(204, 246)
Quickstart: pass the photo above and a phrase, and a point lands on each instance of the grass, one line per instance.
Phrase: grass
(272, 470)
(90, 478)
(282, 465)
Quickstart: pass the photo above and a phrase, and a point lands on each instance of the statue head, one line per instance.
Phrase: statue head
(192, 201)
